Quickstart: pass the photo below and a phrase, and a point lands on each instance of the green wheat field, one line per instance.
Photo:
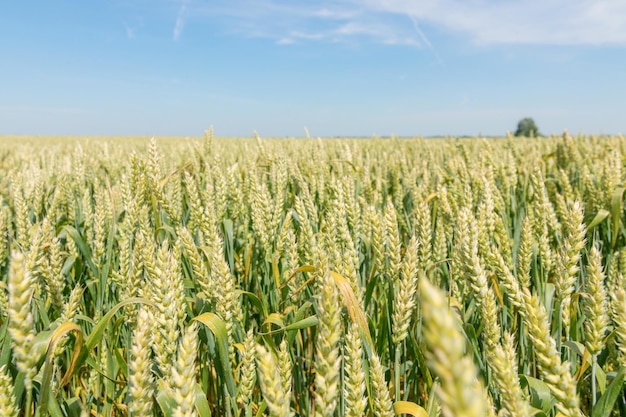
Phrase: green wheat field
(312, 277)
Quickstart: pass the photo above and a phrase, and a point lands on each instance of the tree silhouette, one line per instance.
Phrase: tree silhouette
(527, 127)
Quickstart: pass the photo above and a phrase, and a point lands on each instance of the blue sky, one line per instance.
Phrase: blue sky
(342, 67)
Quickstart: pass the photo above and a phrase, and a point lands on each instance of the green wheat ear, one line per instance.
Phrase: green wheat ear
(21, 321)
(140, 378)
(183, 375)
(271, 383)
(461, 394)
(7, 399)
(354, 375)
(328, 355)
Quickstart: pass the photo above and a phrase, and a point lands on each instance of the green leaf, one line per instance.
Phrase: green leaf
(229, 242)
(202, 405)
(303, 324)
(540, 396)
(166, 402)
(256, 302)
(53, 406)
(601, 378)
(96, 335)
(40, 344)
(605, 404)
(217, 326)
(168, 230)
(55, 339)
(575, 347)
(302, 311)
(303, 268)
(262, 409)
(82, 246)
(354, 310)
(616, 212)
(73, 407)
(274, 319)
(598, 218)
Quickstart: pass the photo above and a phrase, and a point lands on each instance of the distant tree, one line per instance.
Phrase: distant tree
(527, 127)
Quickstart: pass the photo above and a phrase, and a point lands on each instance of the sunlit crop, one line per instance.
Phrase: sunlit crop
(346, 277)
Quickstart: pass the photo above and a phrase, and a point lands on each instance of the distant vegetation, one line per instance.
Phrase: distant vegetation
(527, 127)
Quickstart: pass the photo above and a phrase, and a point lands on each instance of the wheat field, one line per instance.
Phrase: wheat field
(300, 277)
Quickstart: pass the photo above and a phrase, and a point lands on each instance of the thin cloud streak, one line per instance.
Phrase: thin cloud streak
(293, 23)
(556, 22)
(133, 27)
(130, 32)
(552, 22)
(180, 21)
(421, 34)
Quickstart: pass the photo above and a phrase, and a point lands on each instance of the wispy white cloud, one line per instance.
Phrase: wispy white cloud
(555, 22)
(292, 22)
(180, 21)
(132, 27)
(379, 31)
(130, 32)
(421, 34)
(406, 22)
